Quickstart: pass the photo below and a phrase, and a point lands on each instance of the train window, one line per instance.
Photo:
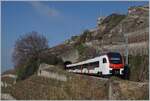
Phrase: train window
(94, 64)
(104, 60)
(78, 67)
(74, 67)
(115, 58)
(88, 65)
(84, 65)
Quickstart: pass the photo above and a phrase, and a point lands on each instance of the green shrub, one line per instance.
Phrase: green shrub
(27, 70)
(74, 38)
(32, 65)
(86, 36)
(21, 73)
(80, 48)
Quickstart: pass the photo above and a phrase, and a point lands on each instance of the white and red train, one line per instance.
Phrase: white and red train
(105, 64)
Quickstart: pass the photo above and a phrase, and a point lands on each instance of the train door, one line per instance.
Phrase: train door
(104, 65)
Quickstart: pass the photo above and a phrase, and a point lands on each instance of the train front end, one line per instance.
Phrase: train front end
(116, 63)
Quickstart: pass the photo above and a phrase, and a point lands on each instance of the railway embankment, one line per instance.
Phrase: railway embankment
(75, 86)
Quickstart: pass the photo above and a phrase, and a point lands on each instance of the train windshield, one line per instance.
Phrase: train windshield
(115, 58)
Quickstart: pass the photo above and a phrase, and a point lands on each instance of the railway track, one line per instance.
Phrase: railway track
(108, 78)
(93, 76)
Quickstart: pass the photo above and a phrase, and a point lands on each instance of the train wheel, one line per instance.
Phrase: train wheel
(99, 73)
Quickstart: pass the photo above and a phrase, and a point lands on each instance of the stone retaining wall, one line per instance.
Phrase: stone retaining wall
(52, 75)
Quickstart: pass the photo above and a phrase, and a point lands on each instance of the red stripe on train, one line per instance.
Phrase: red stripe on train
(116, 66)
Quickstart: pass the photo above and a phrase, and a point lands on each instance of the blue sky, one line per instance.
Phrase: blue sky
(57, 21)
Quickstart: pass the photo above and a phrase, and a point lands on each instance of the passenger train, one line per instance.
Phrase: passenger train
(111, 63)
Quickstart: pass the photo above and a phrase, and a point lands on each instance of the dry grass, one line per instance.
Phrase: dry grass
(139, 68)
(77, 88)
(128, 90)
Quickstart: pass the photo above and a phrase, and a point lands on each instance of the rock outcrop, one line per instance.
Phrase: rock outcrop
(111, 32)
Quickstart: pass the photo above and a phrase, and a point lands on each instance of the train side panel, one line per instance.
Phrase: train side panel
(104, 65)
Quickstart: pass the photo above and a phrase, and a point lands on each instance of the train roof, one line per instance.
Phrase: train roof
(90, 60)
(84, 62)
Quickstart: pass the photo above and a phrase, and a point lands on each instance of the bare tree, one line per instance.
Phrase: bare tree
(28, 46)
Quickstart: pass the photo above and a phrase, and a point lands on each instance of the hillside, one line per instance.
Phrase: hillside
(51, 82)
(107, 33)
(75, 87)
(107, 36)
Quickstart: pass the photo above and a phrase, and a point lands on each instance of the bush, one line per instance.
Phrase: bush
(86, 36)
(80, 48)
(74, 38)
(21, 73)
(32, 65)
(31, 50)
(27, 70)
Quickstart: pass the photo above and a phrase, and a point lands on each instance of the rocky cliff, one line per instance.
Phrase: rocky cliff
(109, 35)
